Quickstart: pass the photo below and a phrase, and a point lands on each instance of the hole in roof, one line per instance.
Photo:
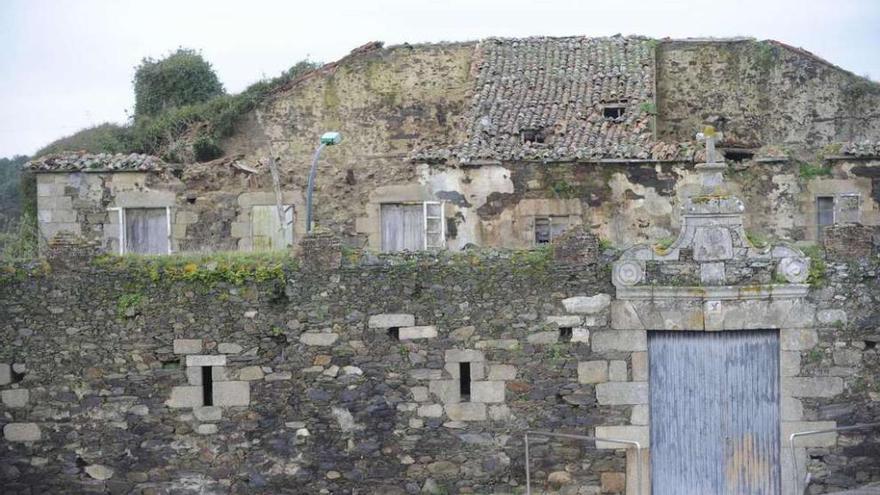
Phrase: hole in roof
(532, 136)
(738, 155)
(613, 112)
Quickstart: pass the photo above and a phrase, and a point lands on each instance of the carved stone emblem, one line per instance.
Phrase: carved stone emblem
(712, 244)
(628, 273)
(793, 270)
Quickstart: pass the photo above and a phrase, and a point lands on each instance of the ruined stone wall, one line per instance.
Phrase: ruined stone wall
(385, 102)
(491, 205)
(768, 92)
(345, 380)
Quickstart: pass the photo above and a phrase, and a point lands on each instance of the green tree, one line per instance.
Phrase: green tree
(10, 190)
(182, 78)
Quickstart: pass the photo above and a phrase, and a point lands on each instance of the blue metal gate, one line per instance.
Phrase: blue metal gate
(714, 412)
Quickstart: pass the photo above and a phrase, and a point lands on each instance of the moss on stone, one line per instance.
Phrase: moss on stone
(230, 267)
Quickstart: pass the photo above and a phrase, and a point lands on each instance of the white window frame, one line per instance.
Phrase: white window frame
(441, 220)
(120, 212)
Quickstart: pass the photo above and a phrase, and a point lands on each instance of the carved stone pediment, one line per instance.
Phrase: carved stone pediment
(712, 258)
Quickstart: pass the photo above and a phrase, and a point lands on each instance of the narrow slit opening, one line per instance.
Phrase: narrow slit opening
(565, 334)
(207, 386)
(464, 381)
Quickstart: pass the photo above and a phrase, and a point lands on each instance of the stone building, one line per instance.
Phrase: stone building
(347, 371)
(503, 143)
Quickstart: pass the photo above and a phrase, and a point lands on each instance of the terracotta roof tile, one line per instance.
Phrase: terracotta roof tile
(558, 89)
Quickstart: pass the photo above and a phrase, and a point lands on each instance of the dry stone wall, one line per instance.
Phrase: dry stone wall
(348, 380)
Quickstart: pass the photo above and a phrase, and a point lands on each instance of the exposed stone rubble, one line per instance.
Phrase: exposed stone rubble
(861, 149)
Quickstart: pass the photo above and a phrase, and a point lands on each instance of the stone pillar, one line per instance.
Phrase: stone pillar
(577, 246)
(320, 250)
(849, 241)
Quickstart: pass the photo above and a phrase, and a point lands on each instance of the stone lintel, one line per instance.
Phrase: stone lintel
(723, 292)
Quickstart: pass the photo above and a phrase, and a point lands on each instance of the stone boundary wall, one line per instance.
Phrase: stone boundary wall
(347, 380)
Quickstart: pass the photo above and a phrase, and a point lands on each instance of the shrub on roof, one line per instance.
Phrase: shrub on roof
(182, 78)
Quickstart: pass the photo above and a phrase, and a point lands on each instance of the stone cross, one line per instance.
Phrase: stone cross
(710, 135)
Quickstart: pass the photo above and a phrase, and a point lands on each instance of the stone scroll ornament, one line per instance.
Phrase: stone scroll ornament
(793, 269)
(628, 273)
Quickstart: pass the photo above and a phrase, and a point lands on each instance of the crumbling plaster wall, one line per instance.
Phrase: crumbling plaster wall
(770, 94)
(385, 102)
(488, 205)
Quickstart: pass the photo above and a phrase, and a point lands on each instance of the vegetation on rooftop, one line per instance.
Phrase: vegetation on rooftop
(181, 111)
(811, 171)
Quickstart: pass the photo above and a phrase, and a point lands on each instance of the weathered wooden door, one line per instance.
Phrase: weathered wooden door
(714, 412)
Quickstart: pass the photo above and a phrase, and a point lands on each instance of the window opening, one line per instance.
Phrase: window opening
(614, 110)
(207, 386)
(413, 226)
(394, 333)
(532, 136)
(464, 381)
(738, 156)
(549, 228)
(565, 334)
(824, 214)
(144, 230)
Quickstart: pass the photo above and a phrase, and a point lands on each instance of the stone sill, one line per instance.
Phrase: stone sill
(714, 293)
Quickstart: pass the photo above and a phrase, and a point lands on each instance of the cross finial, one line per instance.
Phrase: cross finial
(711, 136)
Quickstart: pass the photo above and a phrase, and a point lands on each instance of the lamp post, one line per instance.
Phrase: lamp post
(328, 139)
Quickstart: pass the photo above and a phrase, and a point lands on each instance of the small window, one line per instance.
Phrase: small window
(824, 213)
(532, 136)
(394, 333)
(144, 230)
(565, 334)
(614, 111)
(413, 226)
(464, 381)
(207, 386)
(549, 228)
(269, 230)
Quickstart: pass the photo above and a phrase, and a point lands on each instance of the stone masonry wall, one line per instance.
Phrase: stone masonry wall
(344, 380)
(767, 92)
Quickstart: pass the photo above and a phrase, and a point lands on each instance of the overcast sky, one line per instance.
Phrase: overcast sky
(65, 65)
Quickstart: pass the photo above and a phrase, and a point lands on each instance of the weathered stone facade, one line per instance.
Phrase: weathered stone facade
(508, 134)
(344, 371)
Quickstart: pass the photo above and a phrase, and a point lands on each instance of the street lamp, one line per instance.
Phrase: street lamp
(328, 139)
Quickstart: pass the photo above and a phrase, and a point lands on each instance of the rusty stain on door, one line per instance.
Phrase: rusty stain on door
(714, 412)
